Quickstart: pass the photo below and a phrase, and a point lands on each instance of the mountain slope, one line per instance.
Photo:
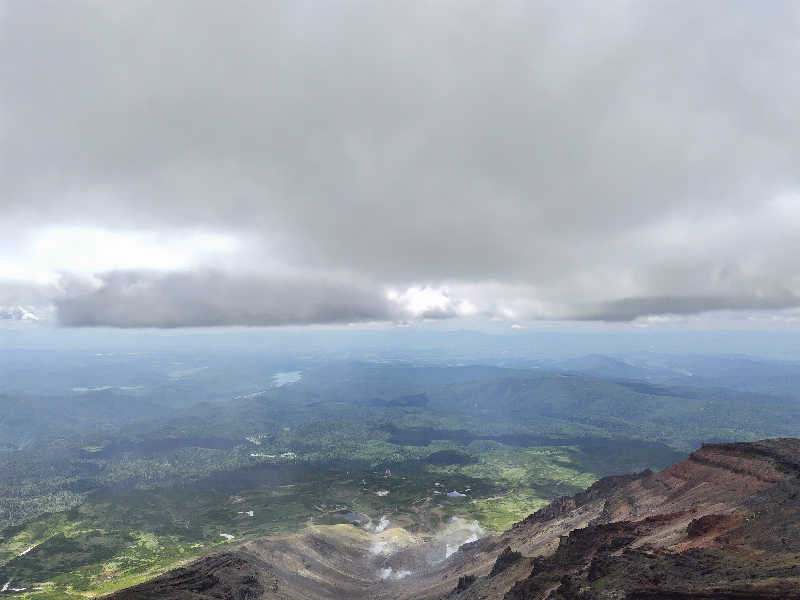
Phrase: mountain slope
(723, 524)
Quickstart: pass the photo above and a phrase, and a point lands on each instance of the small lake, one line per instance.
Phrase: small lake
(286, 378)
(355, 517)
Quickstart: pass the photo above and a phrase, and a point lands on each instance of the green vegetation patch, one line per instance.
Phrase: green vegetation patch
(61, 555)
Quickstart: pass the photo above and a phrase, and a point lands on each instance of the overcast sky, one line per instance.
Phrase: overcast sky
(172, 163)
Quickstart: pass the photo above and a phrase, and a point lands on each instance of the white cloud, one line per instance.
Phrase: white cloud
(429, 302)
(88, 250)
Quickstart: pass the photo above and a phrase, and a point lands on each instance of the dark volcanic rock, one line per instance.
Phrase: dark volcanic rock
(750, 551)
(507, 558)
(464, 582)
(227, 576)
(779, 593)
(704, 525)
(599, 489)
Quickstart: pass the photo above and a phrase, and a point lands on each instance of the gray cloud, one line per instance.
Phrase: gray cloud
(199, 299)
(572, 160)
(23, 292)
(628, 309)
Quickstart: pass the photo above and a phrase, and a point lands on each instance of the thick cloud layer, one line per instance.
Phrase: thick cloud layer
(147, 299)
(529, 160)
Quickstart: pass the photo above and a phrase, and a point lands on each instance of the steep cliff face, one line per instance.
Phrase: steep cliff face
(723, 524)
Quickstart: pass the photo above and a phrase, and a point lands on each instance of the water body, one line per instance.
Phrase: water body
(286, 378)
(355, 517)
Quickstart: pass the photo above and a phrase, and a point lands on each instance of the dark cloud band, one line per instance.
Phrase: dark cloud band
(202, 299)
